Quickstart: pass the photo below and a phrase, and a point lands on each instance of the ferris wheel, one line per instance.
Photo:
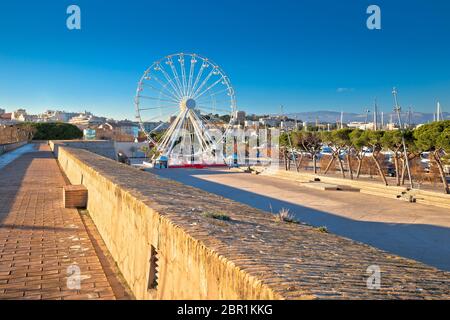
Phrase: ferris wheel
(185, 105)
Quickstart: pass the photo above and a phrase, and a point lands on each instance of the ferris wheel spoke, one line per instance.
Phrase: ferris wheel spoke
(183, 74)
(158, 102)
(209, 88)
(204, 130)
(191, 73)
(150, 138)
(171, 98)
(164, 86)
(157, 108)
(211, 102)
(213, 94)
(204, 81)
(157, 99)
(197, 79)
(168, 132)
(211, 116)
(175, 74)
(170, 80)
(176, 133)
(156, 128)
(213, 109)
(200, 135)
(211, 123)
(166, 114)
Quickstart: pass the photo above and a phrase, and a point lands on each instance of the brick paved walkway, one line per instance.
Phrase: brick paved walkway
(40, 240)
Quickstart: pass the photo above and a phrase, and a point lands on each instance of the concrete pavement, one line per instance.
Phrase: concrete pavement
(411, 230)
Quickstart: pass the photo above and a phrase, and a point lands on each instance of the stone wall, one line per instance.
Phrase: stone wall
(11, 146)
(157, 227)
(105, 148)
(10, 134)
(131, 149)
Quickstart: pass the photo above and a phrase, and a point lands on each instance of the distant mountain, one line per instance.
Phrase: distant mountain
(334, 116)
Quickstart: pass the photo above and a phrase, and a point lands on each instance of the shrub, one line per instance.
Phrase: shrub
(56, 131)
(217, 216)
(285, 216)
(322, 229)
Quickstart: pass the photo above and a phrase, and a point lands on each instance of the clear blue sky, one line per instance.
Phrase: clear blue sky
(295, 53)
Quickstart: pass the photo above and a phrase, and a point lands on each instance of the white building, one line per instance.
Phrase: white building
(270, 121)
(361, 125)
(86, 119)
(56, 116)
(251, 123)
(128, 127)
(288, 125)
(19, 115)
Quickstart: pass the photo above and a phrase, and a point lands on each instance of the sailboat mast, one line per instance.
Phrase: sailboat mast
(375, 116)
(438, 111)
(398, 109)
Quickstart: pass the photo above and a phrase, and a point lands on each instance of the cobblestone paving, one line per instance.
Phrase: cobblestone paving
(42, 243)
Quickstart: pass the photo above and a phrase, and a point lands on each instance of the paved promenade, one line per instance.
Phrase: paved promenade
(411, 230)
(45, 249)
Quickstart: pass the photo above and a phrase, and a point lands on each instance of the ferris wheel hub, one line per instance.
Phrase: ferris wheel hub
(187, 104)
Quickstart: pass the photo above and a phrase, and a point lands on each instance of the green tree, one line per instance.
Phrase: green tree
(55, 131)
(343, 141)
(284, 147)
(327, 138)
(157, 135)
(434, 137)
(296, 139)
(392, 140)
(444, 142)
(359, 143)
(28, 130)
(374, 141)
(312, 143)
(411, 150)
(338, 140)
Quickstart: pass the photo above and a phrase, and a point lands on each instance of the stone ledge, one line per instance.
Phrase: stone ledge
(421, 196)
(249, 257)
(11, 146)
(105, 148)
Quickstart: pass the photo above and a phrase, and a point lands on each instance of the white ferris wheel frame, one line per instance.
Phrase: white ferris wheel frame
(185, 90)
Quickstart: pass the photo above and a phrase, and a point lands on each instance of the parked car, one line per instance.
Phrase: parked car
(368, 152)
(425, 161)
(326, 151)
(390, 169)
(447, 169)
